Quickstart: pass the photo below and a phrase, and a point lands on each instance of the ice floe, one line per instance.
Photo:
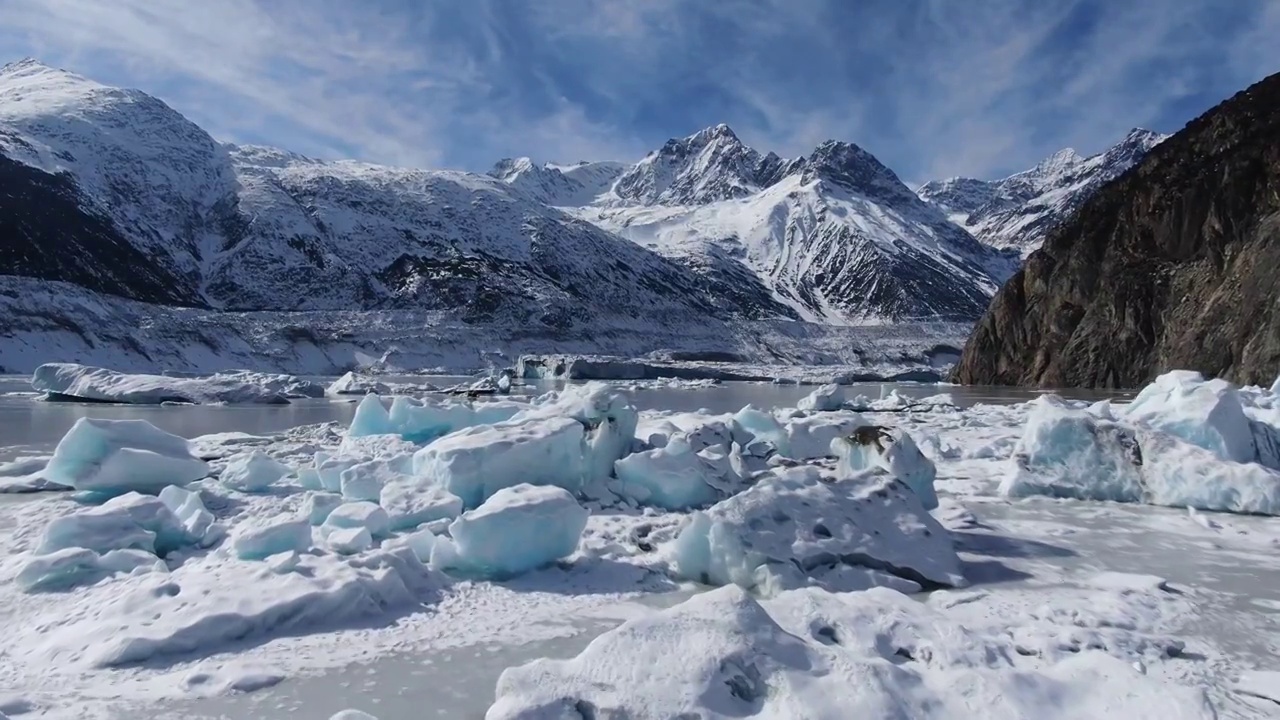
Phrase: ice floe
(68, 381)
(198, 577)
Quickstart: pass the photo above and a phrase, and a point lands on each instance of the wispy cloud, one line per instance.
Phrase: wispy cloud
(934, 87)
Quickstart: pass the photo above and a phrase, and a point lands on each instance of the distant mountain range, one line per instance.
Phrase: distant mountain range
(112, 190)
(1019, 211)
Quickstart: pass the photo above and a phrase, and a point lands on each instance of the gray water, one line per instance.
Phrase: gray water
(30, 425)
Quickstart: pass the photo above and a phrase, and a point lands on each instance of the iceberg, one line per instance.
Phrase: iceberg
(810, 437)
(823, 656)
(260, 538)
(74, 566)
(410, 503)
(1179, 474)
(365, 480)
(353, 384)
(793, 527)
(476, 462)
(421, 421)
(765, 427)
(825, 399)
(608, 419)
(518, 529)
(672, 477)
(320, 504)
(253, 471)
(1206, 413)
(68, 381)
(1071, 453)
(357, 515)
(1066, 452)
(894, 450)
(349, 541)
(189, 509)
(126, 522)
(117, 456)
(122, 535)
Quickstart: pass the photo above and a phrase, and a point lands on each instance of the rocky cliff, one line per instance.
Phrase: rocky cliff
(1176, 264)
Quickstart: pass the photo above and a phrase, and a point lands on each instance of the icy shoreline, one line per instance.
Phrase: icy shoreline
(57, 321)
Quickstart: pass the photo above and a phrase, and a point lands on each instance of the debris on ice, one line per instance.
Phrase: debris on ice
(892, 449)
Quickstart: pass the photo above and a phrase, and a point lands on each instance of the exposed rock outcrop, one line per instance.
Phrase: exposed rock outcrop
(1176, 264)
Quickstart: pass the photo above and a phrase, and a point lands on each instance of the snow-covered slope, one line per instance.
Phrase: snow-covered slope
(1018, 211)
(834, 237)
(108, 188)
(116, 192)
(177, 218)
(560, 185)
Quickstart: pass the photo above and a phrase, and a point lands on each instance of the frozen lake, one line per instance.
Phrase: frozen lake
(29, 425)
(1063, 571)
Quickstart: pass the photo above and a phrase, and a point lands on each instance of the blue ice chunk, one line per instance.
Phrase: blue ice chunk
(259, 539)
(116, 456)
(518, 529)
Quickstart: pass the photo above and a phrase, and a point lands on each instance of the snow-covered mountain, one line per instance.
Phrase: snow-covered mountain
(834, 237)
(704, 244)
(1019, 211)
(114, 190)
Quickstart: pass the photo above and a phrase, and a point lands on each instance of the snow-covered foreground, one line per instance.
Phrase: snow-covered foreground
(900, 561)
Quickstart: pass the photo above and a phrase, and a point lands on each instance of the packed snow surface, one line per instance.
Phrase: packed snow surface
(68, 381)
(231, 567)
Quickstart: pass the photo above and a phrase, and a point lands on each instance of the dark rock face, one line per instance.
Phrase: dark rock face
(46, 233)
(1176, 264)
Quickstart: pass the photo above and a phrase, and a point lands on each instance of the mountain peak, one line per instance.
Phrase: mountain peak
(506, 168)
(847, 164)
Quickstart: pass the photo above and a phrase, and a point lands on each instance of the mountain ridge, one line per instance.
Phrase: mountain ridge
(1019, 211)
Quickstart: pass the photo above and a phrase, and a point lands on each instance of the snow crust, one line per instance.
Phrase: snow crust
(809, 653)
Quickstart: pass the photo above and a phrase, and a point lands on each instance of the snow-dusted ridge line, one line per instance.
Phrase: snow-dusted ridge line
(1017, 212)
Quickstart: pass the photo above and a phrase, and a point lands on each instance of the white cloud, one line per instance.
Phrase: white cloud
(934, 87)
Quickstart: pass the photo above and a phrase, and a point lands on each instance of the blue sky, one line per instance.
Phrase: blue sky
(934, 88)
